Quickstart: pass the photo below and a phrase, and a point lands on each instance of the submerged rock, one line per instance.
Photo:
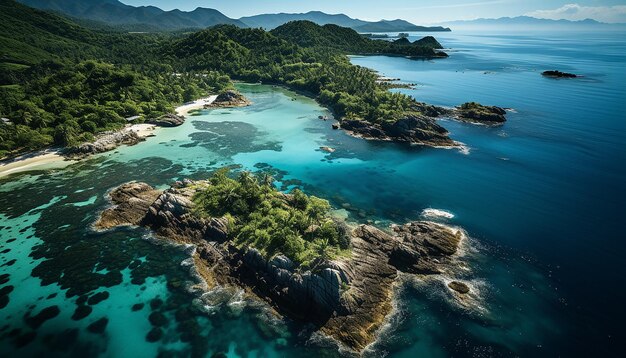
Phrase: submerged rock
(98, 326)
(558, 74)
(347, 299)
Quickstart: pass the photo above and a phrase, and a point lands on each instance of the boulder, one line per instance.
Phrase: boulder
(168, 120)
(459, 287)
(229, 98)
(433, 239)
(131, 202)
(105, 142)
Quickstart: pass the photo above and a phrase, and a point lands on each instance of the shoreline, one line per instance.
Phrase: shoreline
(55, 158)
(197, 104)
(43, 159)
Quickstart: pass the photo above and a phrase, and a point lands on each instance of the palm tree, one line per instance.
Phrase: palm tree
(247, 180)
(267, 180)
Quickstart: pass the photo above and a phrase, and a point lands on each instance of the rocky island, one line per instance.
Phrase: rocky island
(413, 129)
(286, 249)
(419, 126)
(477, 113)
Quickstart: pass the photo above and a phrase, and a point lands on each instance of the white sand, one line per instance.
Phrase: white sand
(143, 130)
(51, 158)
(199, 104)
(45, 159)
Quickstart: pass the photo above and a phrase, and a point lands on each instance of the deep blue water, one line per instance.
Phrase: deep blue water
(541, 199)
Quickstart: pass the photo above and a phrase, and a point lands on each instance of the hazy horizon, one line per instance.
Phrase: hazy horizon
(424, 12)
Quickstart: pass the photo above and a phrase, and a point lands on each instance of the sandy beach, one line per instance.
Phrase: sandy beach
(45, 159)
(52, 158)
(199, 104)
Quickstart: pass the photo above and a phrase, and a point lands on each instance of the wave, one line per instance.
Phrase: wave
(436, 214)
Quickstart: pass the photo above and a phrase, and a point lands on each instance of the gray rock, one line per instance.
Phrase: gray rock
(105, 142)
(459, 287)
(414, 129)
(168, 120)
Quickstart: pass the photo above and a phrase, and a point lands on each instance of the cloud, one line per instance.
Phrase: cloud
(610, 14)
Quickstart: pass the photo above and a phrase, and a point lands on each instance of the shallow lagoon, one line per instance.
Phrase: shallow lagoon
(508, 192)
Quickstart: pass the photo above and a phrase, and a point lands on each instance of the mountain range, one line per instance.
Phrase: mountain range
(271, 21)
(529, 23)
(114, 12)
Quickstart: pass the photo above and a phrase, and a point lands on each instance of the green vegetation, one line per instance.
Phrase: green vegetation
(325, 73)
(61, 83)
(345, 40)
(295, 225)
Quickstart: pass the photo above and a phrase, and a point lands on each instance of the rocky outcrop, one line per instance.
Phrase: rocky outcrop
(229, 98)
(477, 113)
(431, 111)
(168, 120)
(459, 287)
(347, 299)
(558, 74)
(105, 142)
(413, 129)
(131, 202)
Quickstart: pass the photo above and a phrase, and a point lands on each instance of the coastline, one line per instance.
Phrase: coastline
(55, 158)
(197, 104)
(44, 159)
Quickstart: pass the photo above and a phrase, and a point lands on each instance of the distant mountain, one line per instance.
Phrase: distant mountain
(396, 25)
(28, 36)
(528, 23)
(114, 12)
(271, 21)
(330, 36)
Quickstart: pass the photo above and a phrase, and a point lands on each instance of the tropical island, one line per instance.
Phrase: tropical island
(288, 250)
(63, 84)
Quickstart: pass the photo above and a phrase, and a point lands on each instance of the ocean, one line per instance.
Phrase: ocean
(540, 198)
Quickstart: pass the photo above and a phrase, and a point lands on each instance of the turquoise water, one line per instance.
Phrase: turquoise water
(540, 198)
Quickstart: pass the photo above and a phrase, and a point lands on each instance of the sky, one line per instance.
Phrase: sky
(416, 11)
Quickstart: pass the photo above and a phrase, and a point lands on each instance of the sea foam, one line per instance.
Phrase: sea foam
(437, 214)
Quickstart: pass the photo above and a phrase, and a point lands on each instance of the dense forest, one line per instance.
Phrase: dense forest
(61, 83)
(296, 225)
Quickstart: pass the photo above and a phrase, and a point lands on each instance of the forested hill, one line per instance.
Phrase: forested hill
(116, 13)
(28, 36)
(323, 71)
(61, 84)
(310, 35)
(272, 21)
